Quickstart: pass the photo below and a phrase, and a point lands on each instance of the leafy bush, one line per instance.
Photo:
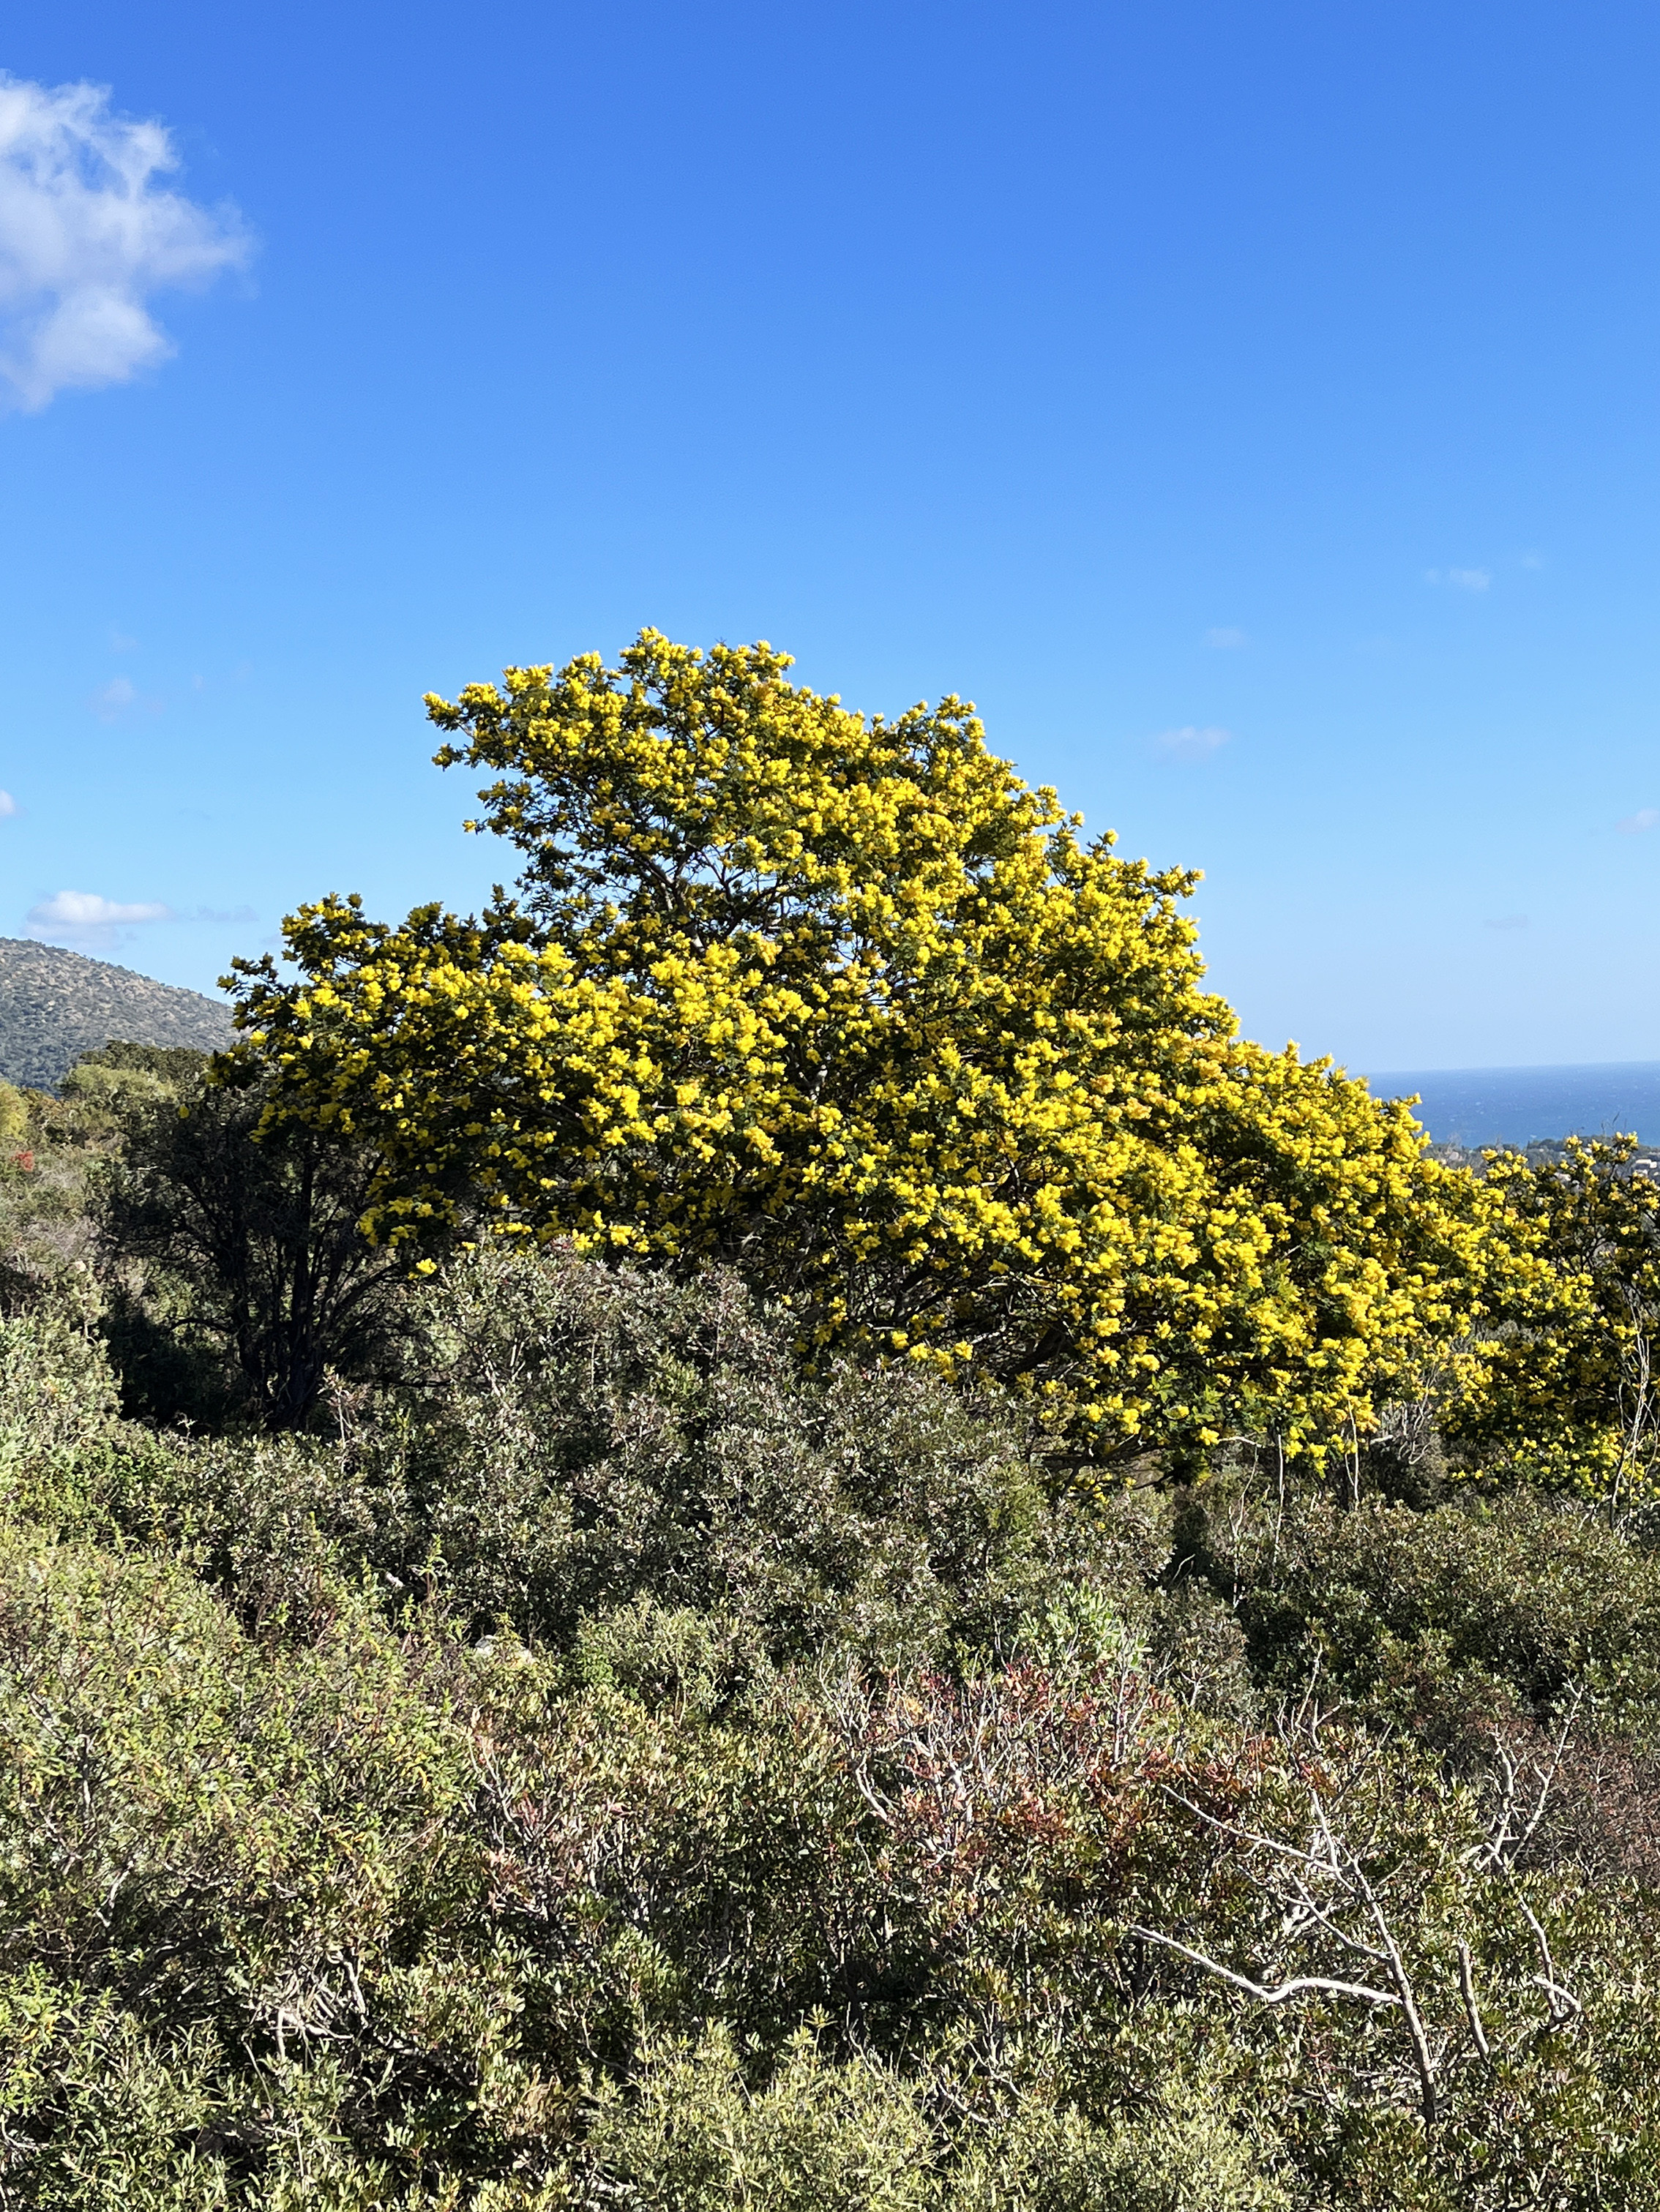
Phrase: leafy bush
(603, 1766)
(240, 1276)
(14, 1115)
(57, 1407)
(1486, 1611)
(854, 2136)
(581, 1437)
(818, 2137)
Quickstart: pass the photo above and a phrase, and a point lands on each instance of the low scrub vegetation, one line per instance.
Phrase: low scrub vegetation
(513, 1716)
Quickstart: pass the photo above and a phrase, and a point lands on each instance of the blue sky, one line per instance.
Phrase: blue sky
(1253, 409)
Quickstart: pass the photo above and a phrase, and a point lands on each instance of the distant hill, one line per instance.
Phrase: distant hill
(54, 1005)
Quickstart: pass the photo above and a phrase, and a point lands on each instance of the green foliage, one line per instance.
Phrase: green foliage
(1184, 2151)
(607, 1767)
(176, 1066)
(240, 1276)
(581, 1438)
(1501, 1608)
(855, 2136)
(14, 1115)
(93, 1085)
(63, 1144)
(57, 1394)
(203, 1840)
(845, 2138)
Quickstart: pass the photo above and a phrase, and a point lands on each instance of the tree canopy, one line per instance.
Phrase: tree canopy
(841, 1002)
(1562, 1388)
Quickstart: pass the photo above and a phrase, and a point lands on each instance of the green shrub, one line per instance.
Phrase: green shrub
(584, 1436)
(92, 1083)
(1462, 1615)
(818, 2137)
(607, 1767)
(1181, 2154)
(57, 1412)
(14, 1115)
(240, 1276)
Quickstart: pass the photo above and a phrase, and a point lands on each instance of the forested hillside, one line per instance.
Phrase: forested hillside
(899, 1574)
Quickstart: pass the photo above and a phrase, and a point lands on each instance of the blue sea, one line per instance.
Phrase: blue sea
(1515, 1105)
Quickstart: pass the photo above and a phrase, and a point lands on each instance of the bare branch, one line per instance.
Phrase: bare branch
(1402, 1980)
(1548, 1778)
(1249, 1835)
(1302, 1984)
(1472, 2010)
(1564, 2003)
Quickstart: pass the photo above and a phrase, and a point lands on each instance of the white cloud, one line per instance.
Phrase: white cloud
(86, 236)
(88, 921)
(7, 806)
(114, 698)
(1225, 641)
(1461, 580)
(1191, 743)
(1644, 818)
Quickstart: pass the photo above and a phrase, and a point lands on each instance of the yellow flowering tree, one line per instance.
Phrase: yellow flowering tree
(1563, 1385)
(842, 1001)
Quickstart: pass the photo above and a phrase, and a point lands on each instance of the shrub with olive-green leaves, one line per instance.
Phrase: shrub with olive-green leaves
(604, 1768)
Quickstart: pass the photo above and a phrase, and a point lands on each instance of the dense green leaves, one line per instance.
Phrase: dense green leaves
(608, 1768)
(244, 1277)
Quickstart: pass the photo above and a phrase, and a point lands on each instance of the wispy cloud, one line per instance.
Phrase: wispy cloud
(1225, 641)
(88, 922)
(1646, 818)
(1191, 743)
(7, 806)
(113, 699)
(1460, 580)
(88, 234)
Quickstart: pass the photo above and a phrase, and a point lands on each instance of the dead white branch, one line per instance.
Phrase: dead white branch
(1275, 1993)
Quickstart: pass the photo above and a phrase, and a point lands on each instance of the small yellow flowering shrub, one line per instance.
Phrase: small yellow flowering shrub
(842, 1001)
(1563, 1381)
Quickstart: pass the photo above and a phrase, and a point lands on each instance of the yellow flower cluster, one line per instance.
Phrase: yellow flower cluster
(1561, 1379)
(844, 1002)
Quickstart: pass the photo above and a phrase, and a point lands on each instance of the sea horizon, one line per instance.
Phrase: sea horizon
(1530, 1104)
